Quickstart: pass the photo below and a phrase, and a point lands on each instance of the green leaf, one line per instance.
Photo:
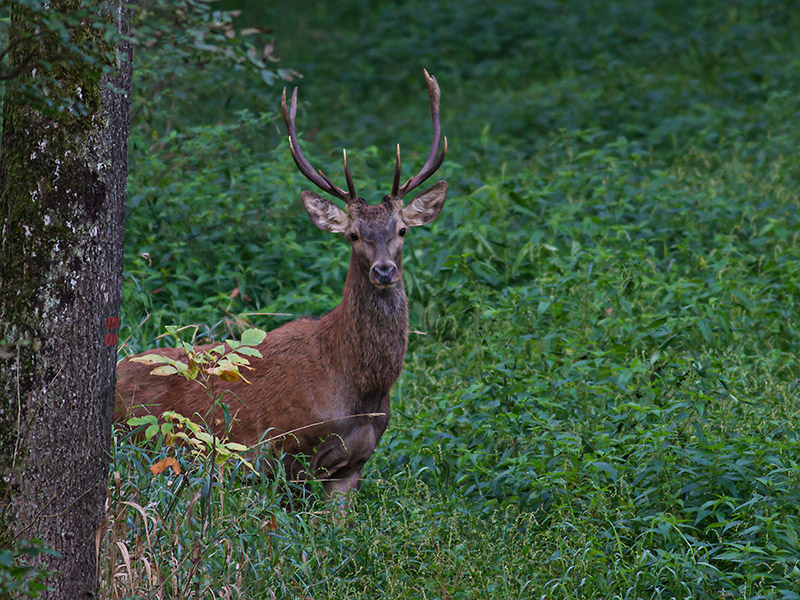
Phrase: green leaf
(151, 431)
(234, 359)
(145, 420)
(253, 337)
(705, 329)
(542, 307)
(6, 558)
(248, 351)
(608, 468)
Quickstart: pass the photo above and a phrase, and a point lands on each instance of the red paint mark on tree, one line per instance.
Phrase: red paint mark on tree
(111, 337)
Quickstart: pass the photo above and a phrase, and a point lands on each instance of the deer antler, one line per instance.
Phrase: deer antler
(433, 163)
(318, 179)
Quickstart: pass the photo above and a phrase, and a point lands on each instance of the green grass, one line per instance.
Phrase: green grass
(603, 401)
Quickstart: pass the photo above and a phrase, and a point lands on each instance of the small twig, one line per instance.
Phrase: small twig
(287, 433)
(195, 326)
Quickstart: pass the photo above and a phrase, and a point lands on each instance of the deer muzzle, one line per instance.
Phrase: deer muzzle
(384, 275)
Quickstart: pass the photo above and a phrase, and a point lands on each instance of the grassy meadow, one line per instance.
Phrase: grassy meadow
(600, 396)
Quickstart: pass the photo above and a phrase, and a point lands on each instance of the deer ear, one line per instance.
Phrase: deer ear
(324, 213)
(426, 207)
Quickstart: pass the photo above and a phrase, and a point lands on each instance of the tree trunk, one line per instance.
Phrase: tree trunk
(62, 193)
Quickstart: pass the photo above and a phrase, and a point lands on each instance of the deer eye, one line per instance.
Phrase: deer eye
(402, 231)
(353, 237)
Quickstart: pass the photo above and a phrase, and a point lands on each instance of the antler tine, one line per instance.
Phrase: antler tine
(396, 179)
(322, 182)
(351, 188)
(329, 183)
(433, 162)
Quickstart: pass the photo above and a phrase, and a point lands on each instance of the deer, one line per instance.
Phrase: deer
(321, 390)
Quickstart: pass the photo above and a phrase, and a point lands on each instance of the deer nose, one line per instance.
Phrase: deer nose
(383, 274)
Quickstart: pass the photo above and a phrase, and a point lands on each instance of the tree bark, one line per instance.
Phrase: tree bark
(62, 193)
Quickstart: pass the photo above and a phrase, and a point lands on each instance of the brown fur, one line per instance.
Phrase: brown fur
(314, 370)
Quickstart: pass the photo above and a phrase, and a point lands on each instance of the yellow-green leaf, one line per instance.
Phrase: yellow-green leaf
(236, 447)
(204, 437)
(150, 359)
(229, 375)
(164, 370)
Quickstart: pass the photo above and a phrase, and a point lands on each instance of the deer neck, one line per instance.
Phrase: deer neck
(368, 332)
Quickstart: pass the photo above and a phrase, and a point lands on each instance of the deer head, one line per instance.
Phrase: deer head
(376, 232)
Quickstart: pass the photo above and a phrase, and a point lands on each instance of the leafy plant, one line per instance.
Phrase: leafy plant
(203, 366)
(19, 578)
(175, 428)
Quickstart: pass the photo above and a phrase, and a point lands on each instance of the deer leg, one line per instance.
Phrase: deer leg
(341, 457)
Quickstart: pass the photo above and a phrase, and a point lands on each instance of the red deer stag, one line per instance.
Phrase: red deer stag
(328, 370)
